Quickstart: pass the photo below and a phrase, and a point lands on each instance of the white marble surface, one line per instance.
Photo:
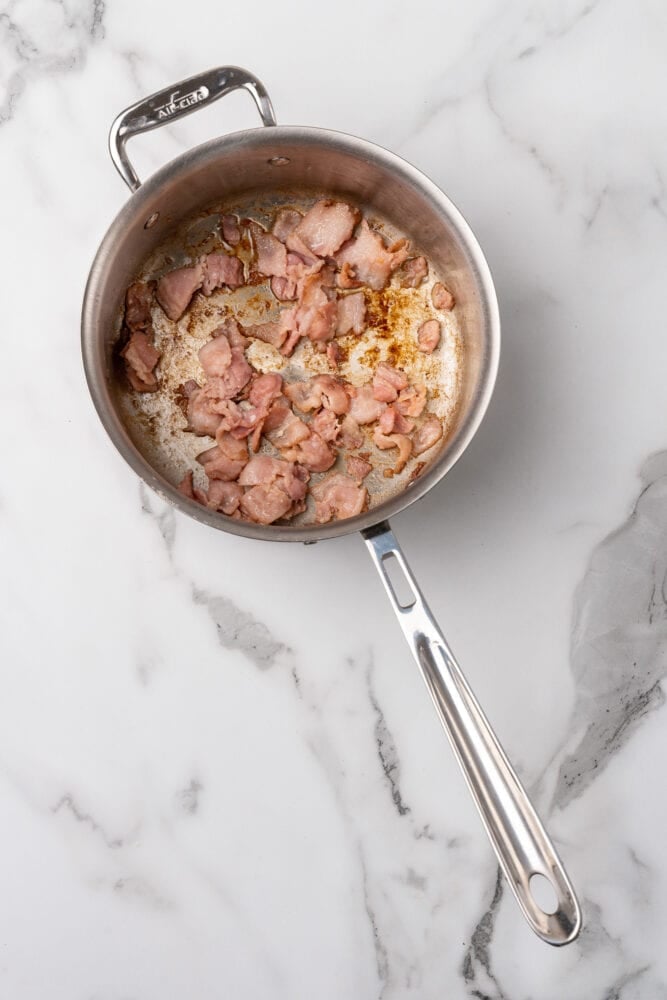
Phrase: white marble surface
(212, 786)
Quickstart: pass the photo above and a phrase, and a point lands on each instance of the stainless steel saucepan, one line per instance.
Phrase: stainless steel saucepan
(272, 158)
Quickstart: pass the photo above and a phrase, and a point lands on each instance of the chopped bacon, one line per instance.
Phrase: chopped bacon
(273, 333)
(283, 288)
(357, 468)
(320, 390)
(372, 261)
(428, 336)
(237, 373)
(351, 437)
(277, 487)
(138, 302)
(388, 382)
(324, 228)
(427, 435)
(187, 488)
(412, 400)
(338, 496)
(231, 447)
(392, 421)
(223, 496)
(221, 269)
(346, 278)
(175, 289)
(316, 314)
(265, 503)
(364, 406)
(265, 388)
(351, 314)
(282, 426)
(141, 357)
(201, 418)
(400, 441)
(413, 272)
(441, 297)
(216, 356)
(325, 423)
(218, 465)
(313, 453)
(231, 231)
(270, 253)
(286, 220)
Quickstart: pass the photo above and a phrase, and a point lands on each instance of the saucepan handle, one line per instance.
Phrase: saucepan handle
(176, 101)
(520, 841)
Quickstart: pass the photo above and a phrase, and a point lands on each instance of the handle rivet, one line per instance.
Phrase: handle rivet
(151, 220)
(278, 161)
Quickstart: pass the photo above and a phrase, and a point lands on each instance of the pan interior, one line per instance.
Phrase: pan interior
(156, 422)
(260, 169)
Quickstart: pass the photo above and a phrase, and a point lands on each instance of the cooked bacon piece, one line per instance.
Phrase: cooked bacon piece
(338, 496)
(216, 356)
(282, 426)
(286, 220)
(277, 487)
(270, 253)
(232, 378)
(295, 244)
(388, 382)
(313, 453)
(187, 488)
(351, 437)
(224, 497)
(334, 353)
(316, 314)
(357, 467)
(346, 278)
(400, 441)
(324, 228)
(413, 272)
(273, 333)
(231, 231)
(265, 503)
(283, 288)
(140, 361)
(428, 336)
(218, 465)
(441, 297)
(427, 435)
(231, 447)
(175, 289)
(320, 390)
(411, 401)
(265, 388)
(221, 269)
(364, 407)
(372, 261)
(351, 314)
(392, 421)
(201, 418)
(138, 302)
(263, 469)
(293, 339)
(325, 423)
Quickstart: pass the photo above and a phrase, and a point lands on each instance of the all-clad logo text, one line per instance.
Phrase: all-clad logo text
(176, 103)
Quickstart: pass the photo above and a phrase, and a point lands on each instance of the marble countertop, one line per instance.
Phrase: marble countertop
(216, 786)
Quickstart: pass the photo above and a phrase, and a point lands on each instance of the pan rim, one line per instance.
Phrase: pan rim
(139, 202)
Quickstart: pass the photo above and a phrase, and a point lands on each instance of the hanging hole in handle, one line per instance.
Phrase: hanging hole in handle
(279, 161)
(543, 893)
(400, 585)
